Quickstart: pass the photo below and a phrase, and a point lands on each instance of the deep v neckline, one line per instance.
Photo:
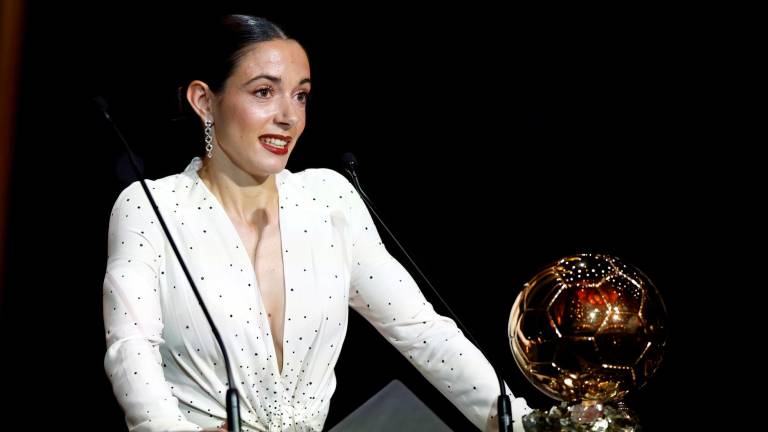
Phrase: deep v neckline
(244, 255)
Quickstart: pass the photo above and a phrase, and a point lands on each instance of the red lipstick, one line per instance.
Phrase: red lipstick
(277, 144)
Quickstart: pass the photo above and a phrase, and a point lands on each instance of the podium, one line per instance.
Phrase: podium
(393, 408)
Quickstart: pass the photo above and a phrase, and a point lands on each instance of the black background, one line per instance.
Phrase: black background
(492, 141)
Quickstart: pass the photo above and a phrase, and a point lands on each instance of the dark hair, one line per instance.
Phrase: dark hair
(224, 47)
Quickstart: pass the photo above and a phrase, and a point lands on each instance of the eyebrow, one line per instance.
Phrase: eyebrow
(274, 79)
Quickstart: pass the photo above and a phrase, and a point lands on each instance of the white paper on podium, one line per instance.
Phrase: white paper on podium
(394, 408)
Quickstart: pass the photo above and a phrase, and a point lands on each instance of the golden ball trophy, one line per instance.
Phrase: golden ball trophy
(587, 330)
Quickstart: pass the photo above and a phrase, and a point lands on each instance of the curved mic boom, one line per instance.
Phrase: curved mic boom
(233, 398)
(504, 406)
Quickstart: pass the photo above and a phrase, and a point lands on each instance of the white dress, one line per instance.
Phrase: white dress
(163, 361)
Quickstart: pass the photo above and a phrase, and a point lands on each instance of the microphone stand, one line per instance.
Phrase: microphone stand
(232, 397)
(504, 405)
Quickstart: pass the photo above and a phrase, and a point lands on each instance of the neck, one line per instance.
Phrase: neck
(245, 197)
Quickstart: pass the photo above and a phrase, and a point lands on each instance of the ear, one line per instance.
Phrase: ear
(200, 97)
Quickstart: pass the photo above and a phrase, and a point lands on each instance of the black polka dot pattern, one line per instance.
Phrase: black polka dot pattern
(162, 359)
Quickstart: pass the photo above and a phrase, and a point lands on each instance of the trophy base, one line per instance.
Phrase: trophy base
(585, 416)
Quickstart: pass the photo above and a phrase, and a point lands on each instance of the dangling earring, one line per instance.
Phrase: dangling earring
(208, 137)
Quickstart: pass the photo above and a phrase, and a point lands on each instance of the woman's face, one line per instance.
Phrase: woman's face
(261, 110)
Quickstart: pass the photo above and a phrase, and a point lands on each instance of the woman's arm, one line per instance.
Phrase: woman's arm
(385, 294)
(132, 317)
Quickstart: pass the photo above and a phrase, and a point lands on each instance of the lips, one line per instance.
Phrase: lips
(277, 144)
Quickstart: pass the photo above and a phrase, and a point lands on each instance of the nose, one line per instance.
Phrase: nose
(287, 113)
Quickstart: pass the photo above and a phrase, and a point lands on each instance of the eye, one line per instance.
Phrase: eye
(302, 97)
(263, 92)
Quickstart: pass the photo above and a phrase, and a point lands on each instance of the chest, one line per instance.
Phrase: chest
(264, 250)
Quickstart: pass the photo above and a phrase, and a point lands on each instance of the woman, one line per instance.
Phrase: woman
(278, 258)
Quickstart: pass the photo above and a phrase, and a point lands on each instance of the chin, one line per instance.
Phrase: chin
(271, 167)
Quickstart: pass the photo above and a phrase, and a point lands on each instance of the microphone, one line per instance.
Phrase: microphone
(233, 398)
(350, 164)
(504, 405)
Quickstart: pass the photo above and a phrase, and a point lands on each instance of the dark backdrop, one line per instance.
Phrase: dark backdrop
(492, 141)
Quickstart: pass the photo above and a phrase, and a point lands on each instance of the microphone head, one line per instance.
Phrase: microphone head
(101, 102)
(349, 159)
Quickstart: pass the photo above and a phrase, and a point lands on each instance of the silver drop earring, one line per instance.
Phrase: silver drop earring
(208, 137)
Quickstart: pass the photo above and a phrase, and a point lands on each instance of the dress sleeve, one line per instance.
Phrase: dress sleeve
(132, 317)
(386, 295)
